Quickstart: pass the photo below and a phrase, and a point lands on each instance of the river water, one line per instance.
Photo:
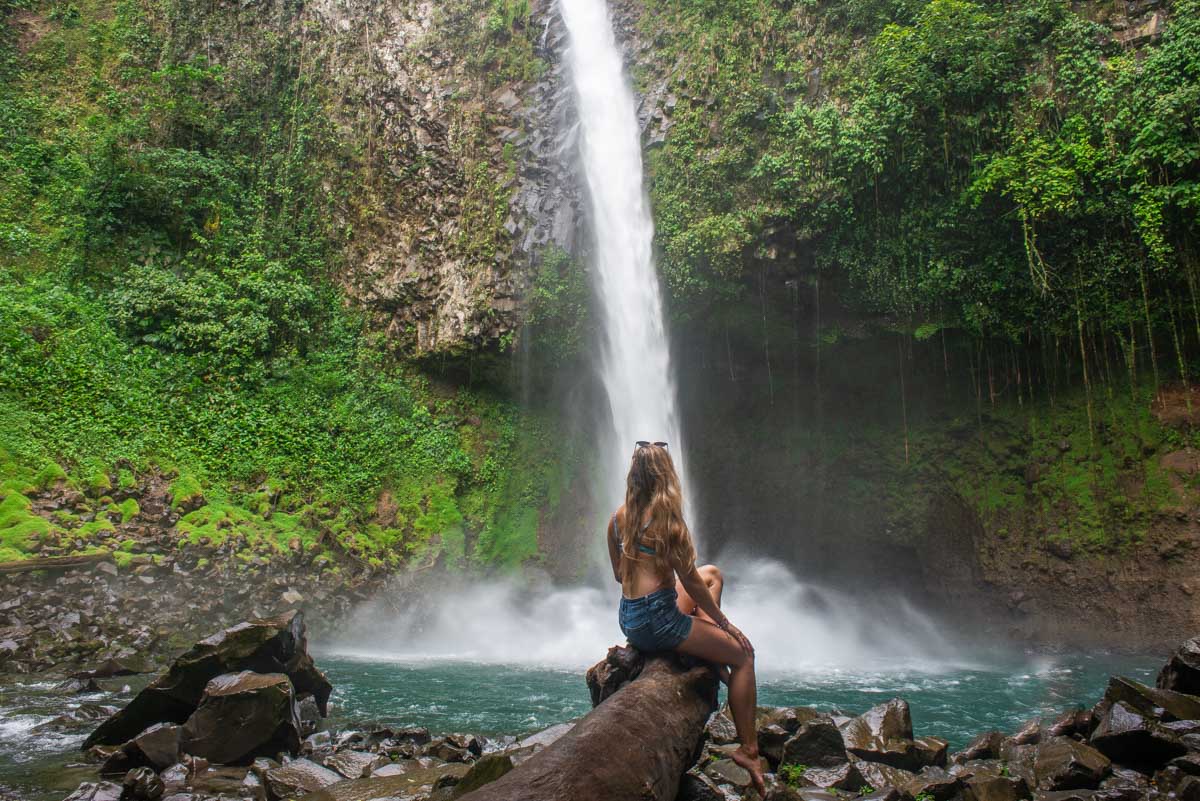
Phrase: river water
(952, 701)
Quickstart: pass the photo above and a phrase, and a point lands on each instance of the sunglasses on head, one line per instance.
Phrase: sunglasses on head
(641, 443)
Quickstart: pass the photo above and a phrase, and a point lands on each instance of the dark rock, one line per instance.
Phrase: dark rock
(1123, 784)
(1078, 794)
(354, 764)
(1130, 738)
(298, 777)
(1178, 784)
(108, 669)
(241, 716)
(886, 794)
(878, 775)
(1150, 701)
(309, 715)
(883, 734)
(1065, 764)
(936, 783)
(720, 728)
(771, 740)
(486, 769)
(1074, 723)
(415, 783)
(695, 786)
(984, 746)
(817, 743)
(841, 777)
(932, 751)
(142, 784)
(1182, 671)
(445, 750)
(96, 791)
(995, 788)
(1030, 733)
(79, 686)
(274, 645)
(1188, 763)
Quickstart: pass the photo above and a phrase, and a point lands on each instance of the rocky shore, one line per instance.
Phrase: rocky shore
(241, 715)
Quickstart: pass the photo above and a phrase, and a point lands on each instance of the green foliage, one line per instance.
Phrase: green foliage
(792, 774)
(557, 321)
(996, 168)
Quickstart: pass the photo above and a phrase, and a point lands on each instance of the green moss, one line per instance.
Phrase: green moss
(128, 509)
(101, 523)
(96, 481)
(122, 559)
(126, 480)
(185, 490)
(49, 475)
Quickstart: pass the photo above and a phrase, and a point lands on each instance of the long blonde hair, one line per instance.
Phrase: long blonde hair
(654, 500)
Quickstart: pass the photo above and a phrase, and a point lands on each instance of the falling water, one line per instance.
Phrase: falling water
(635, 362)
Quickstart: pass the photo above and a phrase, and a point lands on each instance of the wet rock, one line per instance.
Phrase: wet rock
(108, 669)
(841, 777)
(243, 715)
(883, 734)
(486, 769)
(79, 686)
(1178, 784)
(410, 784)
(96, 791)
(1030, 733)
(932, 751)
(878, 775)
(1123, 784)
(1065, 764)
(142, 784)
(1182, 671)
(157, 747)
(885, 794)
(309, 715)
(354, 764)
(445, 750)
(272, 645)
(695, 786)
(546, 736)
(985, 746)
(1188, 763)
(1073, 723)
(1130, 738)
(1150, 701)
(298, 777)
(994, 788)
(817, 743)
(720, 728)
(936, 783)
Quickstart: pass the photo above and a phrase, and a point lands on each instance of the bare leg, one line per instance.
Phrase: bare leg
(710, 643)
(716, 585)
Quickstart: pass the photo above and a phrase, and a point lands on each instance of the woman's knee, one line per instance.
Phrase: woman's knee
(710, 573)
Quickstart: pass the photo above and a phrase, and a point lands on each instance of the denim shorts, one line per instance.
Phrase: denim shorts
(653, 622)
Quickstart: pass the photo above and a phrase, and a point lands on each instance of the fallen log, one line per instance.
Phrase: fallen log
(636, 744)
(54, 562)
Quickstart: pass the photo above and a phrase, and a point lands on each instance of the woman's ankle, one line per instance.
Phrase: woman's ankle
(750, 750)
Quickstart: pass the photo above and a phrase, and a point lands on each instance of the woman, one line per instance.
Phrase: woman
(667, 603)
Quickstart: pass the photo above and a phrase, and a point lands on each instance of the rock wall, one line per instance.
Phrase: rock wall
(451, 180)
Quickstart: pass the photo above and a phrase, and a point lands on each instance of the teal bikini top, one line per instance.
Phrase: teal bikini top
(617, 536)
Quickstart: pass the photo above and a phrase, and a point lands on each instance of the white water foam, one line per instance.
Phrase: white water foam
(634, 356)
(796, 627)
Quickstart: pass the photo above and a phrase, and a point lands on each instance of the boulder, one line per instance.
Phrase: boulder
(995, 788)
(1178, 784)
(771, 739)
(416, 783)
(841, 777)
(157, 747)
(299, 777)
(354, 764)
(877, 775)
(883, 734)
(96, 791)
(243, 715)
(985, 746)
(142, 784)
(695, 786)
(936, 783)
(1182, 671)
(932, 752)
(1123, 784)
(1152, 702)
(1130, 738)
(1072, 723)
(817, 743)
(1030, 733)
(272, 645)
(485, 770)
(720, 728)
(1061, 763)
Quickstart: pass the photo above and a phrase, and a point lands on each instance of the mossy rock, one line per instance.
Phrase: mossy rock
(186, 493)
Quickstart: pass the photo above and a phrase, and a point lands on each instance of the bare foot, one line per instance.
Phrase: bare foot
(749, 760)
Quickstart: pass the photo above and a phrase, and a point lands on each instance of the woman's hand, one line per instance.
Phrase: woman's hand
(742, 639)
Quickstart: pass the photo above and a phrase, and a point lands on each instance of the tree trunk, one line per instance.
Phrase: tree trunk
(635, 745)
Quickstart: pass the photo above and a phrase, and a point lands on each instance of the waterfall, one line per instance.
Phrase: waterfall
(634, 358)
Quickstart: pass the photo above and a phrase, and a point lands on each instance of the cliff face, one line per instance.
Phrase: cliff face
(451, 118)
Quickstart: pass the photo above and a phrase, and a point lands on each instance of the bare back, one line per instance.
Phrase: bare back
(640, 573)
